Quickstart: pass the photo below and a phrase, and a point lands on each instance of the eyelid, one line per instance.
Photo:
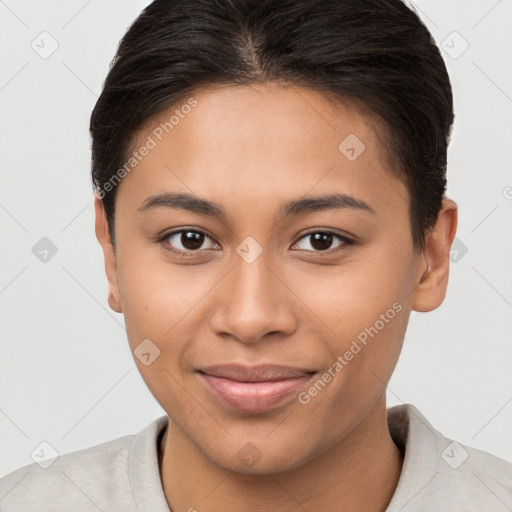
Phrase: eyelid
(162, 239)
(347, 241)
(344, 238)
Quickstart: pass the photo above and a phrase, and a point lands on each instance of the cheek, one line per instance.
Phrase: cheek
(156, 294)
(160, 302)
(350, 297)
(363, 307)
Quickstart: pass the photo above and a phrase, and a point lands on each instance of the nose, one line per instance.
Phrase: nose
(253, 302)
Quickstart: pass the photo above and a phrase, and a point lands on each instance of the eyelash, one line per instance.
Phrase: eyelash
(346, 241)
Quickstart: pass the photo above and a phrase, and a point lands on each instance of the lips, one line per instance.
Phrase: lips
(253, 389)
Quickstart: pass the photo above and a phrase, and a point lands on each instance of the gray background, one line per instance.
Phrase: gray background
(67, 376)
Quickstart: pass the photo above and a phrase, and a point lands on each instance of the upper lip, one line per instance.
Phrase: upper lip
(259, 373)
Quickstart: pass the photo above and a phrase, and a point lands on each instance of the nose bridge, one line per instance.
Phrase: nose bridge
(252, 281)
(252, 288)
(251, 302)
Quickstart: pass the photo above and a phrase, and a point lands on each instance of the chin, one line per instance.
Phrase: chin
(267, 460)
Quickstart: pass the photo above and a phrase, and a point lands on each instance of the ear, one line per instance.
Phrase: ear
(433, 279)
(103, 236)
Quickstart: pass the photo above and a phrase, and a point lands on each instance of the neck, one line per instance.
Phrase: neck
(360, 472)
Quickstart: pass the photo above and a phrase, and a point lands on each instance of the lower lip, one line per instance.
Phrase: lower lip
(253, 396)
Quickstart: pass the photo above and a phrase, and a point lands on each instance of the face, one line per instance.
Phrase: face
(264, 249)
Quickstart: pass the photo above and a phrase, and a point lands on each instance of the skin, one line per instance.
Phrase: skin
(250, 149)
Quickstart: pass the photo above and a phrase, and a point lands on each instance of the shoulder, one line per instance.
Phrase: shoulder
(483, 478)
(72, 479)
(95, 478)
(439, 473)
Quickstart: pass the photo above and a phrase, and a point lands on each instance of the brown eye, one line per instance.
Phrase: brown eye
(187, 240)
(321, 241)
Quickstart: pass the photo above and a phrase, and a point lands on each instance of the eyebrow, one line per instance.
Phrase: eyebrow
(195, 204)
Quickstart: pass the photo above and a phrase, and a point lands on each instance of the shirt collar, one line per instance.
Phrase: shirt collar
(409, 429)
(419, 442)
(143, 468)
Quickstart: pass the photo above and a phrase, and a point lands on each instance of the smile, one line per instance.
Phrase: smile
(253, 389)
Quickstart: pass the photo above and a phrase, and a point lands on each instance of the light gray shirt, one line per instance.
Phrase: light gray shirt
(438, 475)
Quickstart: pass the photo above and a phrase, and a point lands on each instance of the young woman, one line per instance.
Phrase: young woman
(270, 199)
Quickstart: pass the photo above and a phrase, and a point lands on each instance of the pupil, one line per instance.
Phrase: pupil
(192, 239)
(321, 241)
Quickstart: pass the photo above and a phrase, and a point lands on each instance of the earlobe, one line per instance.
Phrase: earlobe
(114, 303)
(103, 236)
(433, 279)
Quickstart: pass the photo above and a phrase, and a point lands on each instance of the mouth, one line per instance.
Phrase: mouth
(254, 389)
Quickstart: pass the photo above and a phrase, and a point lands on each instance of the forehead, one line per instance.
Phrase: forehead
(263, 141)
(276, 114)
